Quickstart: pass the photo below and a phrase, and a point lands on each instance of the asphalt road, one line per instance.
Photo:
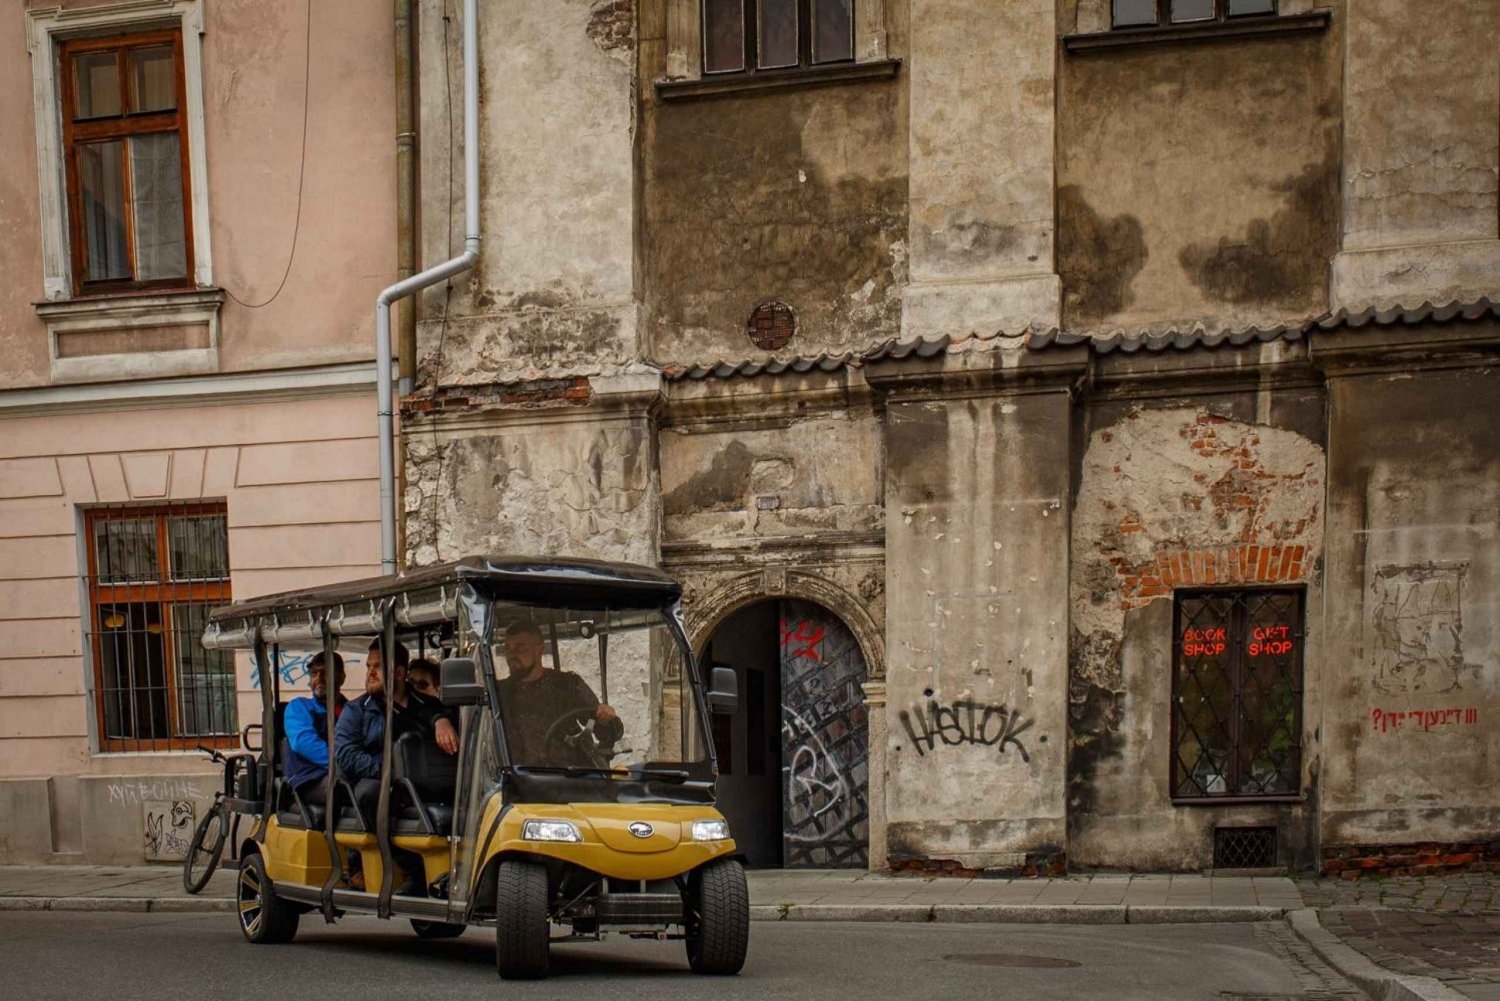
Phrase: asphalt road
(129, 956)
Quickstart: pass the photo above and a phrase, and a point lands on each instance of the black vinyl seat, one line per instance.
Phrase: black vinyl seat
(424, 776)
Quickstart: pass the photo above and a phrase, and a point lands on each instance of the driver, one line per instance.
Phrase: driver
(534, 700)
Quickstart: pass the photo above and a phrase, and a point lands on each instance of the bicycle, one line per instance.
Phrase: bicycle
(204, 855)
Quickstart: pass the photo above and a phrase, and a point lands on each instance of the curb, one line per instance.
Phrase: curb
(1376, 981)
(136, 905)
(1063, 914)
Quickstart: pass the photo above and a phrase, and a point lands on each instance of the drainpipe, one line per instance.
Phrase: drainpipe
(406, 244)
(417, 282)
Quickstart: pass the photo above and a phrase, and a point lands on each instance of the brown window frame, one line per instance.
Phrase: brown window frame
(1238, 636)
(122, 126)
(163, 592)
(750, 9)
(1164, 16)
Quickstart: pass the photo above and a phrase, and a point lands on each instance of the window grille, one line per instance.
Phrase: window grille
(1237, 694)
(1244, 847)
(153, 575)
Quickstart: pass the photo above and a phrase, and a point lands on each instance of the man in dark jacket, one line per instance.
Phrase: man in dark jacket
(547, 713)
(306, 725)
(359, 741)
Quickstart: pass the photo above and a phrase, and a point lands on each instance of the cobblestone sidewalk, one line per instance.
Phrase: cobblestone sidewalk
(1444, 927)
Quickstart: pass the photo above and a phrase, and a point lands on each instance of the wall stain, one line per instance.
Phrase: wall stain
(1280, 260)
(722, 486)
(1099, 257)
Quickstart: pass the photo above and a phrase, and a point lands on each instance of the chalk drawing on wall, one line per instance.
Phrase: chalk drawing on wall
(825, 741)
(169, 828)
(1417, 620)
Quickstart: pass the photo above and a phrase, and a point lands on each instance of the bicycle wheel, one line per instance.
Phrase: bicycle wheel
(203, 855)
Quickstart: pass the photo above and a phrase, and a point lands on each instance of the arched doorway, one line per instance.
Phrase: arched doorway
(794, 759)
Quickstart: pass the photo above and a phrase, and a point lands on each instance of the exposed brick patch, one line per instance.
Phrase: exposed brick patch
(1036, 866)
(612, 24)
(537, 393)
(1425, 858)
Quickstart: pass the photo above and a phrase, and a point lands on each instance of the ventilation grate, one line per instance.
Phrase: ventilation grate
(1244, 847)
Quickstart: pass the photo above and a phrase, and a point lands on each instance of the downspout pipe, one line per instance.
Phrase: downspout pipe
(408, 286)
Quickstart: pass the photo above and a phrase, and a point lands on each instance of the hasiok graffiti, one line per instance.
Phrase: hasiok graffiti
(824, 740)
(966, 722)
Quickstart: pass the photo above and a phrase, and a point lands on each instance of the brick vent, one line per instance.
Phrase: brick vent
(1427, 858)
(1036, 865)
(1244, 847)
(771, 325)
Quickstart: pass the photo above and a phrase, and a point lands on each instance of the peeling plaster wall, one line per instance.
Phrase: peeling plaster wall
(1172, 498)
(554, 289)
(977, 527)
(1198, 182)
(561, 489)
(797, 195)
(1421, 153)
(1413, 714)
(779, 478)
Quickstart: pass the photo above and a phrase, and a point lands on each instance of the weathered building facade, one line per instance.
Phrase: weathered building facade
(1009, 386)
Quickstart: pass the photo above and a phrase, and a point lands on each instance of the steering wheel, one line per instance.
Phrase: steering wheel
(585, 739)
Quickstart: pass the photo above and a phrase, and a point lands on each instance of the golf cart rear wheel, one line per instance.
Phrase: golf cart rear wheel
(521, 925)
(718, 918)
(264, 917)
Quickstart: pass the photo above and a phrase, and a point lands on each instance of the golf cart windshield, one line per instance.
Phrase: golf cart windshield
(575, 692)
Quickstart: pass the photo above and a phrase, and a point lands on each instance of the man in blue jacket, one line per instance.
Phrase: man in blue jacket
(306, 725)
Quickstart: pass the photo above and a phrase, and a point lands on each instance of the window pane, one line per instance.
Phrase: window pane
(778, 33)
(153, 79)
(1128, 13)
(133, 669)
(1270, 695)
(156, 184)
(205, 678)
(1205, 697)
(1192, 10)
(833, 30)
(125, 550)
(97, 80)
(199, 547)
(1239, 8)
(101, 175)
(723, 35)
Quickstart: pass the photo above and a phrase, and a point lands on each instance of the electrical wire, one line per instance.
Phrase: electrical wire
(301, 170)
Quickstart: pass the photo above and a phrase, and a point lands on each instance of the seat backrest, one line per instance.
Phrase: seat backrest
(279, 764)
(432, 771)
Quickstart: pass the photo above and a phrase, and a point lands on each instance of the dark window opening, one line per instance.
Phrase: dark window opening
(126, 162)
(1150, 13)
(153, 575)
(1237, 694)
(1244, 847)
(746, 36)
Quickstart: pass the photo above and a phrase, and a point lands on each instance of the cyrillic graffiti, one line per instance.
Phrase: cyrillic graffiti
(966, 722)
(1386, 720)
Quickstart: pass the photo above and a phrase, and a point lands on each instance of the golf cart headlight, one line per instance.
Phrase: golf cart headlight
(710, 830)
(550, 830)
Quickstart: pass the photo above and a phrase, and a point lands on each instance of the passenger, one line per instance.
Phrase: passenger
(422, 675)
(360, 739)
(306, 725)
(534, 699)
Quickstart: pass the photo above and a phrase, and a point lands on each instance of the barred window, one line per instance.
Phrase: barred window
(1237, 694)
(153, 574)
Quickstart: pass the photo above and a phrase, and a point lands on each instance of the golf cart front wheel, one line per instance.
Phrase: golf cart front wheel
(522, 928)
(718, 918)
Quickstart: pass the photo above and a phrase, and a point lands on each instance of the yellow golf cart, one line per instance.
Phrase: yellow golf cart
(551, 805)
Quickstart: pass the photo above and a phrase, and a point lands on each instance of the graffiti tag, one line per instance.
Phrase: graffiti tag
(966, 722)
(168, 829)
(139, 791)
(1386, 720)
(802, 640)
(294, 669)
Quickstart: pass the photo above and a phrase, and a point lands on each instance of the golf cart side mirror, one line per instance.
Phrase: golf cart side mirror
(461, 685)
(723, 691)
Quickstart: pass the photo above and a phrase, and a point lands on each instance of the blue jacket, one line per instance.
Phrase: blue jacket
(306, 725)
(360, 739)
